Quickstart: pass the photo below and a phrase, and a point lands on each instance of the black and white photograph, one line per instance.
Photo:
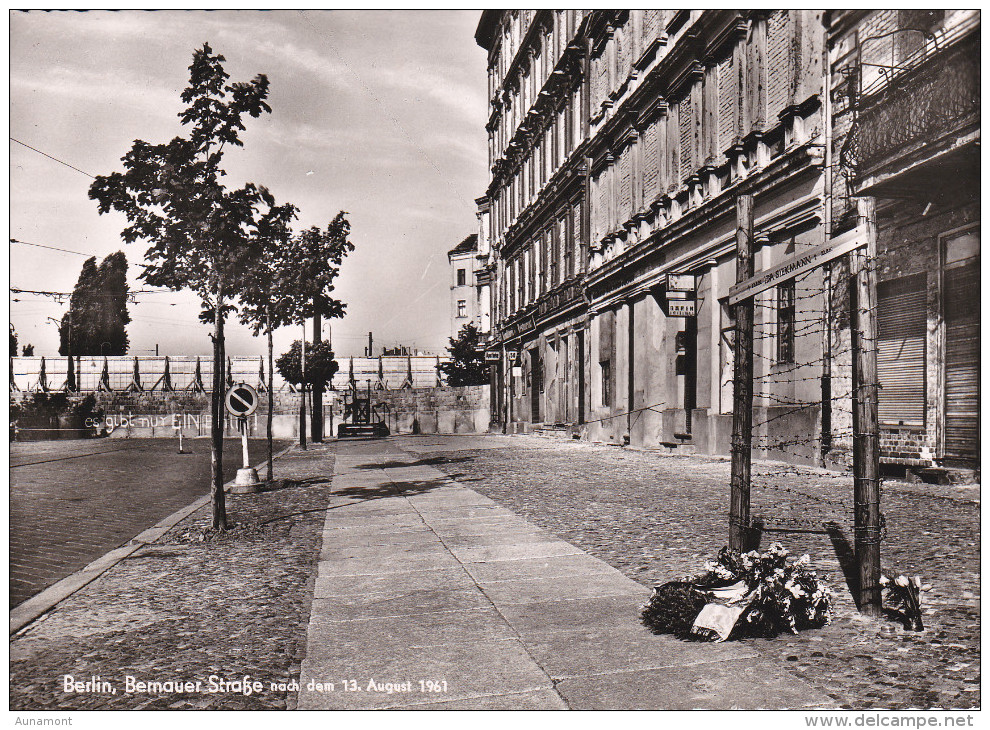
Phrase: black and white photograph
(500, 360)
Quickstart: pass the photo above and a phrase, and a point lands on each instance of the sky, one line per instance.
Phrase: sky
(377, 113)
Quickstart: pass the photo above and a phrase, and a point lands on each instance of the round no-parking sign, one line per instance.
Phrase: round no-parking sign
(241, 400)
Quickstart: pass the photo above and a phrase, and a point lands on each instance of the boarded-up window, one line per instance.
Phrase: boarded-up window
(728, 102)
(780, 66)
(901, 350)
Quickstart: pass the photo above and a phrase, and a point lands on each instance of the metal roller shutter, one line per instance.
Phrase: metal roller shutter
(962, 362)
(901, 350)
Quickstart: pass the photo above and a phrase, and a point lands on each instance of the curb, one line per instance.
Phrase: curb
(40, 604)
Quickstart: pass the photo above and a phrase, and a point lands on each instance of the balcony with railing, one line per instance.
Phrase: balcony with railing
(917, 114)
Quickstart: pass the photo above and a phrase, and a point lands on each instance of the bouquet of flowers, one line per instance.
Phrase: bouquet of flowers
(904, 599)
(748, 594)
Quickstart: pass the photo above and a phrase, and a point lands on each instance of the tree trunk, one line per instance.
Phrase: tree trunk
(271, 404)
(216, 426)
(316, 422)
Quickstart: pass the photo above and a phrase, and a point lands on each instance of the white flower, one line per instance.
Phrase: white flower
(902, 581)
(804, 560)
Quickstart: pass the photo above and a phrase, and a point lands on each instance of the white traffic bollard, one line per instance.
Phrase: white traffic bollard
(246, 481)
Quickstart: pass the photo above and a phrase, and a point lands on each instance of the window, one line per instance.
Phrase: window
(785, 322)
(461, 308)
(914, 25)
(461, 277)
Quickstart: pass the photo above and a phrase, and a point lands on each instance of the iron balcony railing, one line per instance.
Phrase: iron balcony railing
(924, 99)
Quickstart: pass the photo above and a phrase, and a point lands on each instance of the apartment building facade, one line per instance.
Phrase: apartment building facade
(619, 141)
(619, 144)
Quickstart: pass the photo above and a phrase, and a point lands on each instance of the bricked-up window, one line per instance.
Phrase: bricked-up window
(462, 308)
(606, 367)
(461, 277)
(531, 254)
(554, 256)
(567, 240)
(785, 322)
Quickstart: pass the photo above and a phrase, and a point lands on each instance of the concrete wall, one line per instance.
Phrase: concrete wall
(420, 410)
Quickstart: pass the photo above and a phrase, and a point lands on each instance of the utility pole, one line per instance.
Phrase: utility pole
(317, 420)
(302, 391)
(330, 344)
(866, 437)
(742, 384)
(369, 346)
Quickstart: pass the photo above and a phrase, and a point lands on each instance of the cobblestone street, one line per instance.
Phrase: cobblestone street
(185, 609)
(657, 518)
(70, 502)
(191, 606)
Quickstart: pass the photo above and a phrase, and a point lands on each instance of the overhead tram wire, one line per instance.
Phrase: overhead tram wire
(51, 157)
(51, 248)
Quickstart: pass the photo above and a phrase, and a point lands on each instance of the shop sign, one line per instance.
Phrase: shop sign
(680, 282)
(681, 308)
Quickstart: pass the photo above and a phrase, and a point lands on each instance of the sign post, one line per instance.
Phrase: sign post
(177, 425)
(242, 401)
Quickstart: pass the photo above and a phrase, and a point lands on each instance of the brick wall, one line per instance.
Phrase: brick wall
(463, 409)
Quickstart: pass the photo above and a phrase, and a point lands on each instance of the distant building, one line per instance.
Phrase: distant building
(469, 297)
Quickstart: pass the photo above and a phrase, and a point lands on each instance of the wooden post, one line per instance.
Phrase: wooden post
(866, 436)
(742, 383)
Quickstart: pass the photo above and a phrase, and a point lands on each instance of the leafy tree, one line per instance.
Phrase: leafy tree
(13, 341)
(313, 260)
(320, 365)
(112, 304)
(260, 303)
(467, 364)
(27, 351)
(97, 318)
(78, 328)
(173, 195)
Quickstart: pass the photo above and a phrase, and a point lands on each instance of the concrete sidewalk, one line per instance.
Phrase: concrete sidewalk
(432, 596)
